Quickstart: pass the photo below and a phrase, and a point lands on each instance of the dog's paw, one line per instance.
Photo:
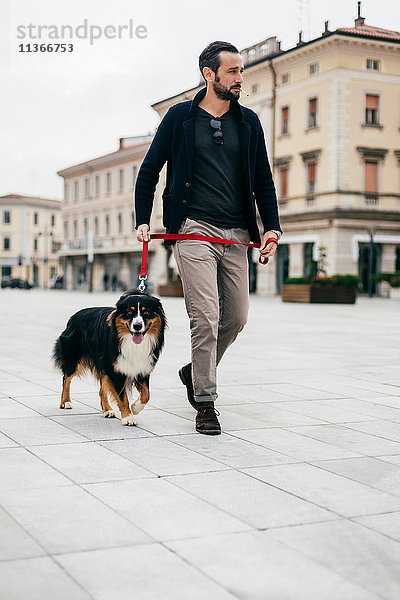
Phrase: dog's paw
(128, 421)
(137, 407)
(66, 405)
(108, 414)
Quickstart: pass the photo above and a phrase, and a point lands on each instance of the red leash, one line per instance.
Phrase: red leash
(192, 236)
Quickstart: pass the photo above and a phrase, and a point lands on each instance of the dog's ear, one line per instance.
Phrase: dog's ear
(111, 317)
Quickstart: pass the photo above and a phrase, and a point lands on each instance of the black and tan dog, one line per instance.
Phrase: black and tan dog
(120, 346)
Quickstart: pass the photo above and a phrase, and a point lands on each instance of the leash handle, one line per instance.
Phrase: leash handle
(193, 236)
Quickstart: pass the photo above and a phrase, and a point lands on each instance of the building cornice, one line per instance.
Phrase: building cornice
(18, 200)
(342, 213)
(114, 158)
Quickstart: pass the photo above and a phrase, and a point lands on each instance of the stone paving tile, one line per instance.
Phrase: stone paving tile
(69, 519)
(333, 492)
(162, 457)
(15, 541)
(235, 492)
(161, 422)
(351, 550)
(20, 470)
(381, 429)
(149, 572)
(89, 462)
(371, 471)
(348, 438)
(38, 430)
(255, 566)
(323, 410)
(6, 442)
(38, 579)
(388, 524)
(48, 406)
(95, 427)
(11, 409)
(231, 451)
(294, 444)
(16, 389)
(163, 510)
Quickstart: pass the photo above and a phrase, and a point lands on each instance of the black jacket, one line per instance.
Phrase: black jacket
(174, 142)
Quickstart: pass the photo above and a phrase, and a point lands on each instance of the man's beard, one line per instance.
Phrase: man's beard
(222, 92)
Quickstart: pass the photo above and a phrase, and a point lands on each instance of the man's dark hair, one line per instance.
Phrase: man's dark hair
(210, 55)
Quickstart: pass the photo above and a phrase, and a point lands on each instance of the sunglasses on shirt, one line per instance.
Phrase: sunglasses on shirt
(218, 136)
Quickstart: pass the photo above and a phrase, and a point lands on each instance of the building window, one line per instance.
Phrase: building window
(251, 54)
(134, 174)
(97, 185)
(373, 65)
(85, 226)
(312, 113)
(285, 120)
(314, 69)
(35, 244)
(371, 182)
(107, 224)
(133, 220)
(371, 109)
(65, 230)
(311, 177)
(119, 222)
(108, 182)
(255, 88)
(6, 217)
(53, 220)
(75, 229)
(121, 180)
(76, 190)
(35, 218)
(96, 226)
(285, 78)
(86, 187)
(283, 182)
(66, 191)
(6, 243)
(264, 49)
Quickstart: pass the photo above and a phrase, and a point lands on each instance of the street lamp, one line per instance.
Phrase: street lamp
(371, 232)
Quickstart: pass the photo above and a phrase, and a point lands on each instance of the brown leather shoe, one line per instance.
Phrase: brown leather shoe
(185, 375)
(206, 419)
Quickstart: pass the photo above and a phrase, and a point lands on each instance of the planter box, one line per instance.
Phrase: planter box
(296, 293)
(171, 289)
(314, 293)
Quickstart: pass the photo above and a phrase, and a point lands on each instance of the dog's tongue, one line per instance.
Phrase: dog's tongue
(137, 338)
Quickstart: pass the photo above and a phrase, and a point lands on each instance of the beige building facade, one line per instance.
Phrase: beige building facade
(330, 109)
(30, 237)
(100, 250)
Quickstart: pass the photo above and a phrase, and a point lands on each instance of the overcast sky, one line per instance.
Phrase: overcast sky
(61, 109)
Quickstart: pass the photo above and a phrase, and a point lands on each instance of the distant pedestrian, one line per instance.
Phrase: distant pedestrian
(106, 281)
(114, 283)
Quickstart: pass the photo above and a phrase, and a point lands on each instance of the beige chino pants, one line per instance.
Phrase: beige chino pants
(215, 279)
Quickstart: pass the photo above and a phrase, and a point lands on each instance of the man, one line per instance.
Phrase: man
(217, 166)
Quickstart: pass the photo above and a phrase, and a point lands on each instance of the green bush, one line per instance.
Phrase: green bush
(378, 277)
(395, 281)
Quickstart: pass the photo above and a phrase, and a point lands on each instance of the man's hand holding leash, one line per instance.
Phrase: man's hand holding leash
(268, 250)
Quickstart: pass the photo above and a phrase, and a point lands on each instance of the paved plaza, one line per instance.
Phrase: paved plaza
(298, 499)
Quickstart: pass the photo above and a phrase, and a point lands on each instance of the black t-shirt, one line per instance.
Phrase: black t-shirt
(216, 177)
